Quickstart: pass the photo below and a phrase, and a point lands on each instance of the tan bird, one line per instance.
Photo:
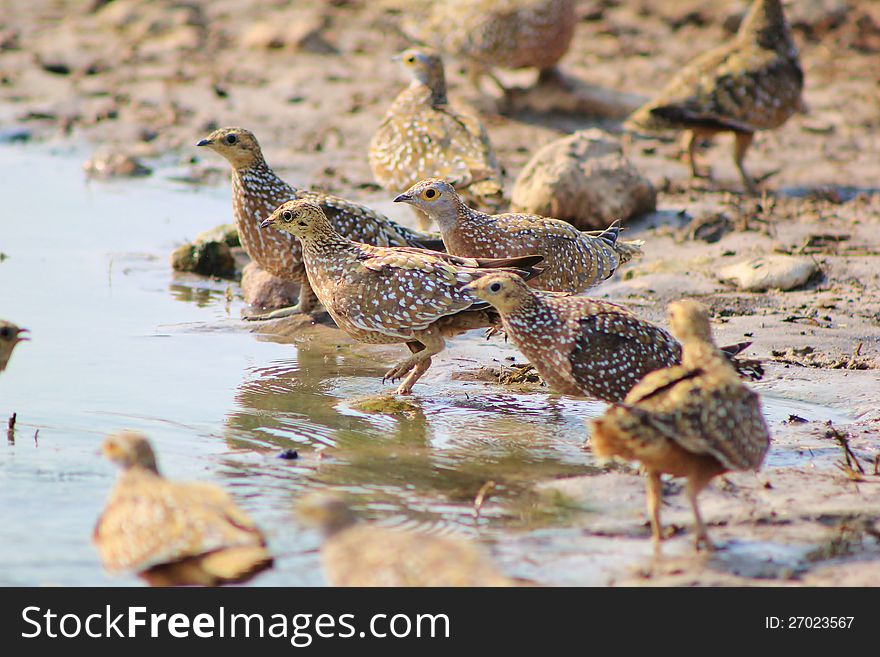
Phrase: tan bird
(361, 554)
(695, 420)
(171, 533)
(10, 335)
(257, 191)
(574, 261)
(423, 136)
(386, 295)
(754, 82)
(499, 33)
(580, 346)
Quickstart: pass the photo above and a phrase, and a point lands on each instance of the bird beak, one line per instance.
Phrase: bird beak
(397, 58)
(204, 142)
(268, 221)
(469, 288)
(23, 338)
(403, 198)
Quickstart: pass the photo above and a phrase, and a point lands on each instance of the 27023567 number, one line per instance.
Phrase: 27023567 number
(820, 622)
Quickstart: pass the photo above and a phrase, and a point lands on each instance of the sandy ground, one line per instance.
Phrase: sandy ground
(151, 78)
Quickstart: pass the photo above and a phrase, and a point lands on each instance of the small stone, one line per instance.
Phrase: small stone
(263, 290)
(771, 272)
(207, 258)
(289, 455)
(584, 179)
(105, 165)
(226, 233)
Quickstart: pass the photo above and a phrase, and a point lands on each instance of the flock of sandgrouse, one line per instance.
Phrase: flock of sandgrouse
(677, 403)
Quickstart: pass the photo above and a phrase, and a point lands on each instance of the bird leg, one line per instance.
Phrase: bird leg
(655, 494)
(430, 342)
(307, 303)
(695, 484)
(692, 146)
(740, 146)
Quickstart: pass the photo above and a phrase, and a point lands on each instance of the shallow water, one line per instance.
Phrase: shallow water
(119, 341)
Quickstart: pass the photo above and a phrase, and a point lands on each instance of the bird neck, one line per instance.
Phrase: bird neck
(432, 85)
(696, 352)
(524, 306)
(450, 217)
(765, 24)
(324, 238)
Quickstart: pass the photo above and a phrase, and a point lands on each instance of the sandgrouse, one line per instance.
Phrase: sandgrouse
(10, 335)
(172, 533)
(360, 554)
(499, 33)
(580, 346)
(695, 420)
(574, 261)
(422, 136)
(391, 294)
(753, 82)
(257, 191)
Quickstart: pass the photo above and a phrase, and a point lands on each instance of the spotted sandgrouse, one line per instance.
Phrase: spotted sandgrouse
(361, 554)
(695, 420)
(753, 82)
(499, 33)
(574, 261)
(257, 191)
(392, 294)
(10, 335)
(422, 135)
(580, 346)
(173, 533)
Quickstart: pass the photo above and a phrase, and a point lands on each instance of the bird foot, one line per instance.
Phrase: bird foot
(492, 331)
(398, 371)
(702, 542)
(289, 311)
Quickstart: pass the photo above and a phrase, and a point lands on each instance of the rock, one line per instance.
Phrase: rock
(263, 290)
(771, 272)
(584, 179)
(209, 258)
(226, 233)
(105, 165)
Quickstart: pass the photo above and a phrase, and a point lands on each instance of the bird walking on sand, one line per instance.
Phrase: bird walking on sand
(257, 191)
(360, 554)
(499, 33)
(580, 346)
(423, 136)
(170, 533)
(10, 335)
(574, 261)
(392, 294)
(695, 420)
(754, 82)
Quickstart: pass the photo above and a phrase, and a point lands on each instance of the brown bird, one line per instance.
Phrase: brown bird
(574, 261)
(580, 346)
(695, 420)
(753, 82)
(257, 191)
(360, 554)
(10, 335)
(499, 33)
(392, 294)
(422, 135)
(171, 533)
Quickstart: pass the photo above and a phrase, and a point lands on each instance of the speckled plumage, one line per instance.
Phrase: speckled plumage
(257, 191)
(580, 346)
(423, 136)
(499, 33)
(754, 82)
(573, 261)
(695, 420)
(391, 294)
(173, 533)
(10, 335)
(360, 554)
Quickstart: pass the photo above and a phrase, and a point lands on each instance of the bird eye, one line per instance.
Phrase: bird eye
(5, 332)
(431, 193)
(495, 287)
(231, 139)
(286, 215)
(410, 59)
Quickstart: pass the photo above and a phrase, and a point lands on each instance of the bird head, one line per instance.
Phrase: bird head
(689, 320)
(436, 198)
(504, 290)
(237, 145)
(10, 335)
(299, 218)
(424, 67)
(129, 449)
